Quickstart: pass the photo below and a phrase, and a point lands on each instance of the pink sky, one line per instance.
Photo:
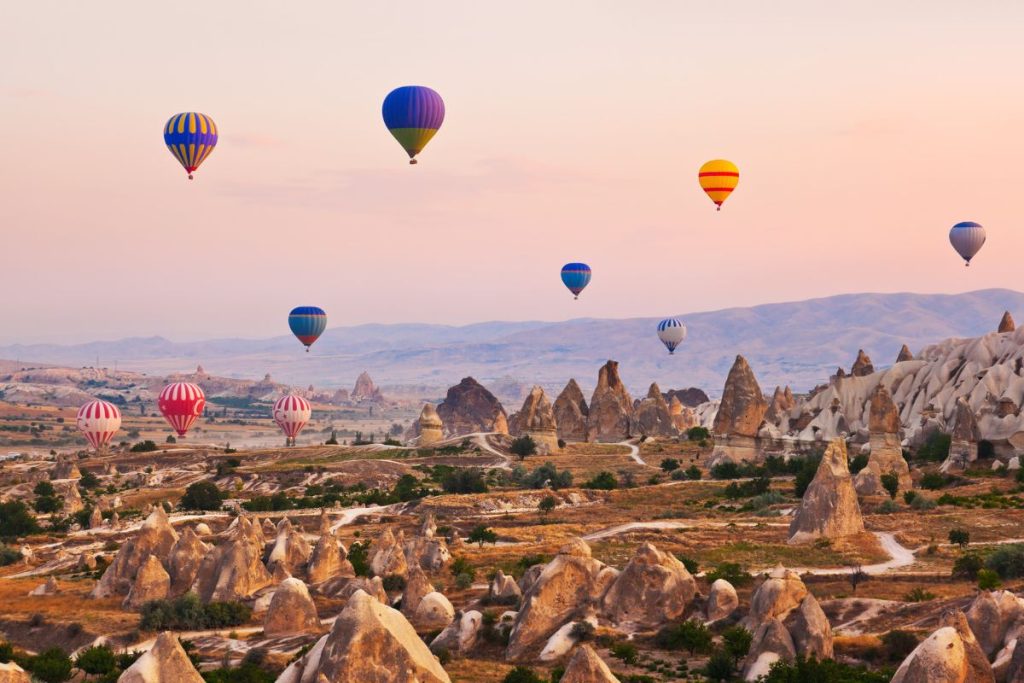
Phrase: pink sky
(574, 131)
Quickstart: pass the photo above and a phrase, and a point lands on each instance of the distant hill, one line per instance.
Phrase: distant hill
(798, 343)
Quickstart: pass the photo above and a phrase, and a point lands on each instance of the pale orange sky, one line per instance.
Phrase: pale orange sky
(574, 131)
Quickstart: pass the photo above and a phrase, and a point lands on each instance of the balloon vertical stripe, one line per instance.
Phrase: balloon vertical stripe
(191, 137)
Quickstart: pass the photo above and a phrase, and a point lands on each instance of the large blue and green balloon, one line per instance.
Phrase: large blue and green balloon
(413, 114)
(307, 323)
(576, 276)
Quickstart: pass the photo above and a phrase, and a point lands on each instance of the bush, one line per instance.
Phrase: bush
(89, 480)
(935, 448)
(967, 566)
(988, 580)
(919, 595)
(733, 572)
(6, 652)
(669, 464)
(171, 439)
(922, 503)
(95, 660)
(547, 504)
(146, 446)
(523, 446)
(465, 480)
(248, 672)
(691, 564)
(547, 475)
(698, 433)
(605, 481)
(720, 667)
(1007, 561)
(888, 507)
(16, 520)
(202, 495)
(858, 463)
(393, 583)
(44, 488)
(51, 666)
(692, 473)
(909, 497)
(45, 504)
(898, 644)
(188, 613)
(804, 476)
(8, 555)
(626, 652)
(481, 534)
(690, 635)
(824, 671)
(522, 674)
(726, 470)
(736, 641)
(747, 489)
(891, 483)
(358, 555)
(959, 537)
(582, 630)
(933, 481)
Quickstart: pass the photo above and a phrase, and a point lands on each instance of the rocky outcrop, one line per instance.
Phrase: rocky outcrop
(156, 537)
(722, 600)
(566, 586)
(862, 365)
(417, 586)
(691, 397)
(778, 410)
(70, 497)
(829, 508)
(328, 560)
(770, 643)
(611, 407)
(430, 426)
(152, 582)
(95, 518)
(461, 635)
(50, 587)
(571, 412)
(65, 468)
(653, 417)
(373, 587)
(777, 596)
(949, 655)
(742, 408)
(654, 588)
(994, 615)
(429, 552)
(963, 448)
(904, 354)
(291, 611)
(371, 643)
(586, 667)
(165, 662)
(1006, 323)
(504, 590)
(290, 548)
(810, 630)
(469, 407)
(537, 420)
(184, 560)
(433, 613)
(365, 389)
(683, 417)
(389, 556)
(233, 570)
(12, 673)
(886, 447)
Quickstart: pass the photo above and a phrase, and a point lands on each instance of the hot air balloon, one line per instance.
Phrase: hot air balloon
(671, 332)
(99, 421)
(413, 114)
(576, 276)
(181, 403)
(719, 178)
(191, 137)
(307, 323)
(291, 413)
(967, 238)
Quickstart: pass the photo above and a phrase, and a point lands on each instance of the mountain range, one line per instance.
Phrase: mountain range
(797, 343)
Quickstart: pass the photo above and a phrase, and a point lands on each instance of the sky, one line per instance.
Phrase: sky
(573, 132)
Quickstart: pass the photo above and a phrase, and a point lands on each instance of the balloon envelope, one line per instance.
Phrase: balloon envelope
(307, 323)
(99, 421)
(671, 332)
(576, 276)
(190, 137)
(292, 413)
(413, 114)
(967, 238)
(718, 178)
(181, 403)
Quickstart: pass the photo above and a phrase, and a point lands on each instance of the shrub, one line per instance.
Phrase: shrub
(691, 564)
(626, 652)
(95, 660)
(826, 670)
(697, 433)
(523, 446)
(51, 666)
(465, 480)
(692, 472)
(604, 480)
(44, 488)
(547, 504)
(746, 489)
(582, 630)
(888, 507)
(736, 641)
(481, 534)
(463, 581)
(733, 572)
(393, 583)
(146, 446)
(16, 520)
(46, 504)
(988, 580)
(804, 476)
(909, 497)
(690, 635)
(720, 667)
(919, 595)
(859, 462)
(933, 481)
(188, 613)
(935, 448)
(669, 464)
(202, 495)
(522, 674)
(1007, 561)
(898, 644)
(8, 555)
(89, 480)
(922, 503)
(248, 672)
(959, 537)
(460, 565)
(6, 652)
(891, 483)
(358, 555)
(547, 475)
(967, 566)
(726, 470)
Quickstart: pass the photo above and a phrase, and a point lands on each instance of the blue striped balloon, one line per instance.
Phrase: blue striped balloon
(576, 276)
(671, 332)
(307, 323)
(413, 114)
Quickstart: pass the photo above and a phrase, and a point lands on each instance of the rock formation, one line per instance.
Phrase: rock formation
(886, 449)
(156, 537)
(469, 407)
(770, 643)
(12, 673)
(536, 419)
(373, 587)
(586, 667)
(233, 570)
(829, 508)
(904, 354)
(963, 448)
(66, 468)
(722, 600)
(654, 588)
(778, 410)
(389, 557)
(365, 389)
(291, 549)
(165, 662)
(291, 611)
(152, 582)
(862, 365)
(683, 417)
(691, 397)
(95, 518)
(994, 615)
(949, 655)
(652, 415)
(571, 411)
(429, 552)
(369, 642)
(461, 635)
(433, 613)
(328, 559)
(742, 408)
(1006, 323)
(184, 560)
(430, 427)
(611, 407)
(565, 587)
(417, 585)
(50, 587)
(504, 590)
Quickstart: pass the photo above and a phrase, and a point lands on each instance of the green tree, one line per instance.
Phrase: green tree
(202, 495)
(693, 473)
(465, 480)
(720, 666)
(46, 504)
(546, 505)
(690, 635)
(481, 534)
(1007, 561)
(51, 666)
(604, 480)
(88, 480)
(891, 483)
(96, 660)
(669, 464)
(44, 488)
(697, 433)
(967, 566)
(522, 674)
(16, 520)
(736, 641)
(523, 446)
(959, 537)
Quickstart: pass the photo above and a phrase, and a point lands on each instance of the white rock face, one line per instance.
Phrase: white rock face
(722, 600)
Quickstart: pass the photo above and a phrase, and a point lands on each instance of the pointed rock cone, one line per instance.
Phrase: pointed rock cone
(1007, 324)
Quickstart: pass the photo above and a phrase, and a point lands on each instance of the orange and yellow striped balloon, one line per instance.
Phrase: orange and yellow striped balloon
(718, 178)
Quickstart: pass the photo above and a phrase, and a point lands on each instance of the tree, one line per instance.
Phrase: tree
(736, 641)
(720, 666)
(669, 464)
(522, 674)
(546, 505)
(51, 666)
(96, 660)
(967, 566)
(44, 488)
(465, 480)
(523, 446)
(171, 439)
(604, 480)
(691, 635)
(481, 534)
(202, 495)
(693, 473)
(89, 480)
(959, 537)
(16, 520)
(891, 483)
(857, 577)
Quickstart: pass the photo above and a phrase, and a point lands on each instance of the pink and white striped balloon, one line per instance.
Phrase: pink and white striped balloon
(292, 413)
(99, 421)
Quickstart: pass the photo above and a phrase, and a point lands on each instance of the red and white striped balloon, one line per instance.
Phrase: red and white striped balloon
(292, 413)
(181, 403)
(99, 421)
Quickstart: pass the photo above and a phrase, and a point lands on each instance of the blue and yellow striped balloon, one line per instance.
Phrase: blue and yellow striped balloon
(413, 114)
(191, 137)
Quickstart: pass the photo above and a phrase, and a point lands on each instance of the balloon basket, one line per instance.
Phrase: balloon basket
(190, 176)
(412, 162)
